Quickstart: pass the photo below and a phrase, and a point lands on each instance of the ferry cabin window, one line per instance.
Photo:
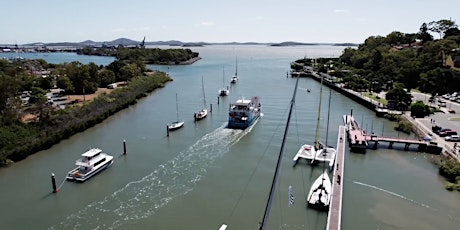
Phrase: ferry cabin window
(100, 161)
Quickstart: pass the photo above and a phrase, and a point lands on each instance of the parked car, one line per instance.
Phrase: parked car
(436, 129)
(454, 138)
(447, 133)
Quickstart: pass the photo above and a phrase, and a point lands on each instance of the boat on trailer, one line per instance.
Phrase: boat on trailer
(91, 162)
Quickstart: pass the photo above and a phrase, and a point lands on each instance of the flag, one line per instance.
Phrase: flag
(290, 196)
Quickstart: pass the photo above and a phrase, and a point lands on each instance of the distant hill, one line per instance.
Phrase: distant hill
(129, 42)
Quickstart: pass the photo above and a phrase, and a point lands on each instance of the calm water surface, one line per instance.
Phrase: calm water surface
(204, 175)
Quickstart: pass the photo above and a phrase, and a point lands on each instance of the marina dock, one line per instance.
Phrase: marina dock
(334, 217)
(356, 136)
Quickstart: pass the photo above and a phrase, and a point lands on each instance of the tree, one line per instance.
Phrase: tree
(399, 96)
(395, 38)
(423, 34)
(419, 109)
(441, 26)
(452, 32)
(38, 95)
(8, 88)
(65, 83)
(106, 77)
(44, 82)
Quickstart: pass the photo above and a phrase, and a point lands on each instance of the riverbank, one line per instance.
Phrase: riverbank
(70, 121)
(420, 129)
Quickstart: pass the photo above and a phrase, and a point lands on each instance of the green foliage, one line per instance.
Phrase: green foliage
(401, 98)
(399, 58)
(38, 95)
(419, 109)
(149, 56)
(17, 141)
(450, 168)
(392, 117)
(403, 126)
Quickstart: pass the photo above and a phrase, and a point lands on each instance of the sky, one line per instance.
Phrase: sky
(320, 21)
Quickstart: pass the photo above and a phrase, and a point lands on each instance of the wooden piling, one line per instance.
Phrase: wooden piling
(124, 147)
(53, 182)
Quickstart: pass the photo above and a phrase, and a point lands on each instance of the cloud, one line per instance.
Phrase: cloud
(341, 11)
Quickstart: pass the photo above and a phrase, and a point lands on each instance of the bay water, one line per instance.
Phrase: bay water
(204, 175)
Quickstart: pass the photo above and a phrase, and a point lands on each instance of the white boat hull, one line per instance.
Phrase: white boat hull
(320, 192)
(175, 125)
(77, 175)
(307, 152)
(200, 115)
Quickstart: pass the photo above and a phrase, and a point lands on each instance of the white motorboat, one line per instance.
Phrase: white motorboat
(320, 192)
(91, 162)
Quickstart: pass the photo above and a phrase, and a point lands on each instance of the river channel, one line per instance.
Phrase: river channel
(204, 175)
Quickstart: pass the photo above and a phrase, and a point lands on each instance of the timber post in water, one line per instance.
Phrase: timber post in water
(124, 147)
(53, 182)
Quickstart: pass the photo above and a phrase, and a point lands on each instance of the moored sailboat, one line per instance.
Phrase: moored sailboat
(224, 91)
(234, 78)
(204, 111)
(320, 192)
(178, 123)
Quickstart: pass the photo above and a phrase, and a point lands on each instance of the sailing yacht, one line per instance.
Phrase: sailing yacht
(327, 153)
(224, 91)
(204, 111)
(306, 151)
(178, 123)
(320, 192)
(234, 78)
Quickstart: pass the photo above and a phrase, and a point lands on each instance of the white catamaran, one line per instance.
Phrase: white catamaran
(92, 162)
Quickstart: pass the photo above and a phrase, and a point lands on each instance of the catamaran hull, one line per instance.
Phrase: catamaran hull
(82, 178)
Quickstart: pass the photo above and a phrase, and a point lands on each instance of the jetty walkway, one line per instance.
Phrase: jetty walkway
(334, 217)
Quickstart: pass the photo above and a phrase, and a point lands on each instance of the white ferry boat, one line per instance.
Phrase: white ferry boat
(92, 162)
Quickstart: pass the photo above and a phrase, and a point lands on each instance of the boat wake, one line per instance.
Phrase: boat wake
(394, 194)
(404, 198)
(140, 199)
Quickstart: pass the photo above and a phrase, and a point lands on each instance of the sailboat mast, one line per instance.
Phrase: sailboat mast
(262, 225)
(177, 109)
(328, 114)
(204, 97)
(236, 69)
(319, 113)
